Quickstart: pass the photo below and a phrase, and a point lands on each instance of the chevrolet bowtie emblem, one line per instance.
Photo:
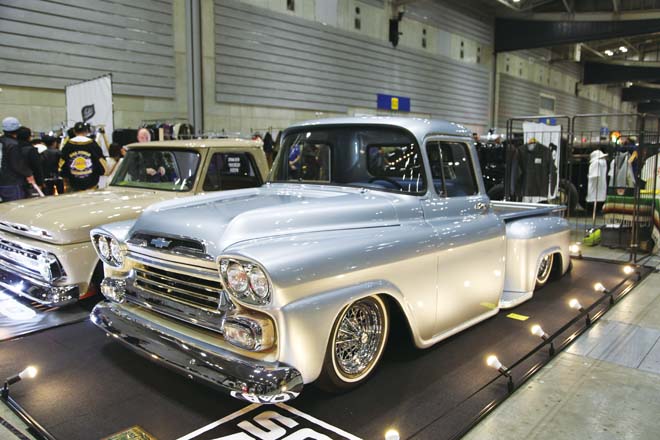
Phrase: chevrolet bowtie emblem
(161, 242)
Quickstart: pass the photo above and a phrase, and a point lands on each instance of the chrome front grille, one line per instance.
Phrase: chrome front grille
(23, 260)
(188, 289)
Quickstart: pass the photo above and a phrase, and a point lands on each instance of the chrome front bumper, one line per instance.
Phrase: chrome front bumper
(242, 377)
(38, 291)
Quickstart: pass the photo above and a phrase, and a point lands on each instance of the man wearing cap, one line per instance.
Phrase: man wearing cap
(82, 161)
(14, 171)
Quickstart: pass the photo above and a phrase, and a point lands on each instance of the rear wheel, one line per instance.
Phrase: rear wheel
(544, 270)
(356, 344)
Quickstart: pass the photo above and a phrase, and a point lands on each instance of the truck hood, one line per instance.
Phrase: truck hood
(68, 218)
(222, 220)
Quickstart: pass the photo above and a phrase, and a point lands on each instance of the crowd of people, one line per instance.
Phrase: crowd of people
(33, 167)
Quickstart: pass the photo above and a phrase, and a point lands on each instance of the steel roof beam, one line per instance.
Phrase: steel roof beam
(638, 94)
(513, 34)
(608, 73)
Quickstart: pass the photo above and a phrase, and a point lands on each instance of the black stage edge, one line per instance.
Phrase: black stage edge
(90, 387)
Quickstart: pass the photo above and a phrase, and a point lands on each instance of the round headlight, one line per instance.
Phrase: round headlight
(237, 278)
(259, 282)
(104, 248)
(115, 250)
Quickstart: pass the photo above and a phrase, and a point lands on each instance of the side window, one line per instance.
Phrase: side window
(452, 170)
(230, 171)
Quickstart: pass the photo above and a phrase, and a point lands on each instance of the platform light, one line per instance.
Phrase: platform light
(576, 250)
(29, 372)
(599, 287)
(493, 362)
(629, 270)
(575, 304)
(609, 53)
(538, 331)
(623, 49)
(392, 434)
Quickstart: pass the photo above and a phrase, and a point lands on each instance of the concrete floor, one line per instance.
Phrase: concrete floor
(605, 386)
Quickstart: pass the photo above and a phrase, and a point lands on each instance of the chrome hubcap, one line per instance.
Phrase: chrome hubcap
(544, 268)
(359, 337)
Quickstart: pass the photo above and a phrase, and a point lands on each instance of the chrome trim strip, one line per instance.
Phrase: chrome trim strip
(143, 280)
(187, 283)
(172, 298)
(210, 273)
(243, 378)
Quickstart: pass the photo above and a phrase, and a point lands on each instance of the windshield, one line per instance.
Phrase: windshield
(149, 168)
(377, 157)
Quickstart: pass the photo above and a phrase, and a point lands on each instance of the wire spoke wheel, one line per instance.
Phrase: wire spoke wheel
(545, 268)
(359, 339)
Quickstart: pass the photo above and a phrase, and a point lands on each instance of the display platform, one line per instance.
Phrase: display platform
(19, 317)
(90, 387)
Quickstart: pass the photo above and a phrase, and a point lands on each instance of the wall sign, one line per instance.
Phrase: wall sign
(269, 422)
(391, 102)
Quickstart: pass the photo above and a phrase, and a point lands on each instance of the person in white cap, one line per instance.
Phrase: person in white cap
(14, 171)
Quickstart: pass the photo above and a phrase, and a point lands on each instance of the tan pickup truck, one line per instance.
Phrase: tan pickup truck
(45, 250)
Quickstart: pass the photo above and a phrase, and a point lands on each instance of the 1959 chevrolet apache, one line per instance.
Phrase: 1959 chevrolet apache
(260, 291)
(45, 252)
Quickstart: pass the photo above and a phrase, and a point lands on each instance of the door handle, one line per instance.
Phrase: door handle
(481, 206)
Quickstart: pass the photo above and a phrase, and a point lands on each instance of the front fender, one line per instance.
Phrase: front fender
(305, 325)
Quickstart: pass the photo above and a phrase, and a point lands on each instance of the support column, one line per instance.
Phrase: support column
(194, 65)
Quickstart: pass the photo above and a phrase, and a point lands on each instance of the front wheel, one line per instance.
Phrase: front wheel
(356, 344)
(544, 270)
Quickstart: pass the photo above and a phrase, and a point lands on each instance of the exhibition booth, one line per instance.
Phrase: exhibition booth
(526, 294)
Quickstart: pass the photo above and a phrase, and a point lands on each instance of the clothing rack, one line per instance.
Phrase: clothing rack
(145, 122)
(266, 130)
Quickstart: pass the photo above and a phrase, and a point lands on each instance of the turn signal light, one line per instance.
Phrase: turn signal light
(249, 332)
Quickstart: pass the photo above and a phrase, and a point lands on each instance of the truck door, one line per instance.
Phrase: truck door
(470, 238)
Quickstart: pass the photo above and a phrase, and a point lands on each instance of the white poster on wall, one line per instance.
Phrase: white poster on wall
(91, 102)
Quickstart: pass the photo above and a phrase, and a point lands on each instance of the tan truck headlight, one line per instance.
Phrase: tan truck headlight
(249, 332)
(109, 249)
(246, 281)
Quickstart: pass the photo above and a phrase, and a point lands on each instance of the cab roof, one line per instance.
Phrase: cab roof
(200, 144)
(420, 127)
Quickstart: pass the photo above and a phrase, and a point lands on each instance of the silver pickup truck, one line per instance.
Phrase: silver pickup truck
(260, 291)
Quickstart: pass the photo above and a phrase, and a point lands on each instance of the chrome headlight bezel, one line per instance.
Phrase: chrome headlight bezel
(110, 250)
(45, 263)
(251, 295)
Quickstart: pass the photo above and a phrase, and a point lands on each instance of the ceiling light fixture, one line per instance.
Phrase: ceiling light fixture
(609, 53)
(623, 49)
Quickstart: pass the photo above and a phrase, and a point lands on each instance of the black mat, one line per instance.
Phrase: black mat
(90, 386)
(19, 317)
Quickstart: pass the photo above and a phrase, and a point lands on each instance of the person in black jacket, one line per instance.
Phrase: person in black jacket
(14, 172)
(82, 161)
(31, 157)
(50, 160)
